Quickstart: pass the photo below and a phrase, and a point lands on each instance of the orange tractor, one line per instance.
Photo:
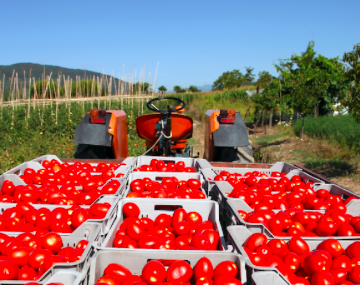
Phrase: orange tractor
(102, 134)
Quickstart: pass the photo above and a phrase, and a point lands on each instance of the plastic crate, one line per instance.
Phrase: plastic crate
(236, 219)
(18, 181)
(135, 260)
(87, 231)
(158, 176)
(239, 234)
(105, 222)
(151, 208)
(268, 278)
(189, 162)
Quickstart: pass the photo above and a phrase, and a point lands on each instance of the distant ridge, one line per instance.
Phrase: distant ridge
(38, 69)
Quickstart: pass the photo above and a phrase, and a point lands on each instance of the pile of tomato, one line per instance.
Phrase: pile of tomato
(227, 174)
(283, 193)
(52, 194)
(25, 218)
(160, 166)
(328, 264)
(29, 256)
(295, 222)
(170, 187)
(181, 231)
(178, 272)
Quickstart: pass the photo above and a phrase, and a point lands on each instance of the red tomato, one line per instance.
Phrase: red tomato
(255, 240)
(8, 270)
(79, 216)
(179, 272)
(153, 272)
(341, 261)
(193, 218)
(221, 280)
(117, 271)
(256, 259)
(134, 230)
(353, 250)
(131, 210)
(163, 220)
(298, 245)
(52, 241)
(272, 261)
(278, 247)
(227, 268)
(203, 268)
(82, 244)
(314, 263)
(99, 209)
(339, 274)
(66, 253)
(51, 260)
(27, 273)
(333, 247)
(109, 280)
(38, 256)
(182, 228)
(292, 260)
(76, 255)
(19, 256)
(322, 278)
(148, 241)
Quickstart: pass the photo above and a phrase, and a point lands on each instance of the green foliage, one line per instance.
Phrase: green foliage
(178, 89)
(342, 129)
(230, 79)
(193, 88)
(51, 89)
(263, 79)
(352, 59)
(249, 76)
(311, 80)
(162, 89)
(144, 88)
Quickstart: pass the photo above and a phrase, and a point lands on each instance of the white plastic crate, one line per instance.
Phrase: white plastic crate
(152, 208)
(86, 231)
(189, 162)
(239, 234)
(158, 176)
(268, 278)
(135, 260)
(105, 222)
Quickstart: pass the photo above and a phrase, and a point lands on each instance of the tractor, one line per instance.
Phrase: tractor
(102, 134)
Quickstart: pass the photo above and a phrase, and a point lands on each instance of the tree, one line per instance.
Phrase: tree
(229, 79)
(178, 89)
(313, 80)
(162, 89)
(263, 79)
(193, 88)
(249, 76)
(86, 87)
(352, 60)
(51, 89)
(144, 87)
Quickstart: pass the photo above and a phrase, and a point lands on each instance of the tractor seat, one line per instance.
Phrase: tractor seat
(182, 127)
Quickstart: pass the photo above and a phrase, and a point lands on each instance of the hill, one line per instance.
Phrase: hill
(37, 71)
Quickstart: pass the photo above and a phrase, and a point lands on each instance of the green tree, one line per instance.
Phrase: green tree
(313, 80)
(178, 89)
(44, 85)
(352, 60)
(144, 88)
(162, 89)
(249, 76)
(263, 79)
(229, 79)
(193, 88)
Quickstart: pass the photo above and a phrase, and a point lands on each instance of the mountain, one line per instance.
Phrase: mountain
(37, 71)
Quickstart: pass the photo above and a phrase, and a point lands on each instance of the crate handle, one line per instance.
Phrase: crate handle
(168, 262)
(86, 233)
(170, 208)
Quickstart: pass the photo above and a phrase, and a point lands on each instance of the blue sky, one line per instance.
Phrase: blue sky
(193, 41)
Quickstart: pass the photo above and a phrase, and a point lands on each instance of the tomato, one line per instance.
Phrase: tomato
(300, 281)
(339, 274)
(78, 217)
(341, 261)
(345, 230)
(256, 259)
(227, 268)
(9, 244)
(264, 251)
(132, 280)
(182, 242)
(292, 260)
(179, 272)
(352, 250)
(51, 260)
(66, 253)
(278, 247)
(182, 228)
(322, 278)
(131, 210)
(19, 256)
(43, 221)
(52, 241)
(76, 255)
(163, 220)
(298, 245)
(134, 230)
(203, 268)
(99, 209)
(333, 247)
(194, 219)
(37, 257)
(286, 272)
(201, 242)
(108, 280)
(8, 270)
(117, 271)
(314, 263)
(255, 240)
(27, 273)
(153, 272)
(226, 280)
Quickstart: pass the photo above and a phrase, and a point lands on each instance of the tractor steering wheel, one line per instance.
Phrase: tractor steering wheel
(170, 109)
